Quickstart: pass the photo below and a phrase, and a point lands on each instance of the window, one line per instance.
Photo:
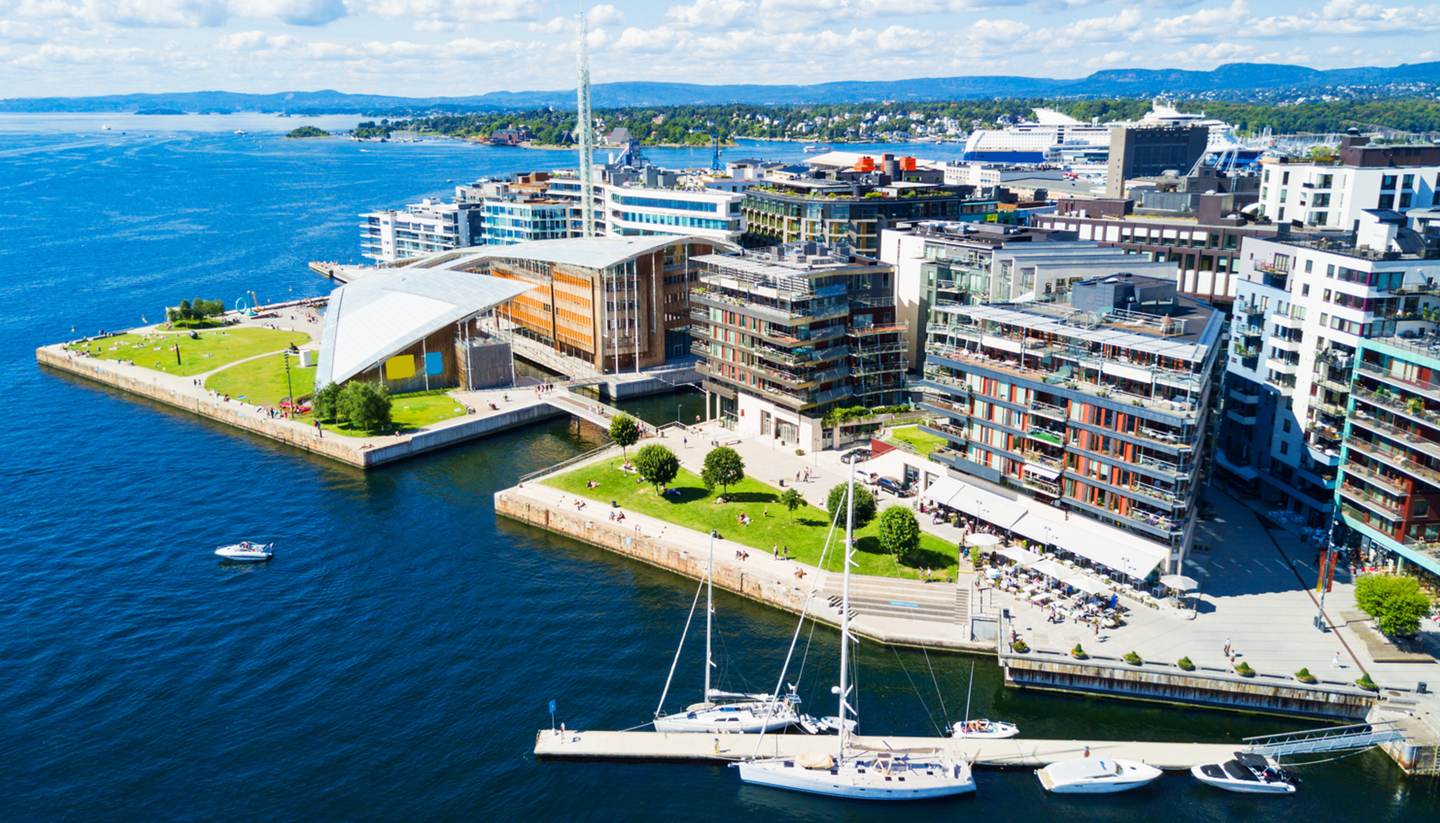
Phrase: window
(1419, 507)
(1387, 182)
(1285, 447)
(1309, 267)
(1305, 289)
(1285, 426)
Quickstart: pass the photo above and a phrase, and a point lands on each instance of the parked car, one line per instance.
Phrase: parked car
(855, 456)
(894, 486)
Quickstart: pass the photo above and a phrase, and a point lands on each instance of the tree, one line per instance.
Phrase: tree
(899, 531)
(624, 431)
(864, 504)
(1395, 601)
(723, 468)
(365, 406)
(326, 403)
(656, 465)
(792, 500)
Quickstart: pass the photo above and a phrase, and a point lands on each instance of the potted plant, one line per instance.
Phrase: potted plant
(1366, 683)
(1416, 406)
(1244, 669)
(1079, 653)
(1304, 676)
(1020, 647)
(1185, 664)
(1133, 658)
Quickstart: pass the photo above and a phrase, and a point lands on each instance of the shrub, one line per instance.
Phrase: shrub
(1244, 669)
(1133, 658)
(656, 465)
(1395, 601)
(723, 468)
(1366, 683)
(899, 531)
(194, 312)
(1019, 647)
(799, 452)
(625, 432)
(864, 504)
(1304, 676)
(974, 557)
(326, 403)
(1079, 653)
(1185, 664)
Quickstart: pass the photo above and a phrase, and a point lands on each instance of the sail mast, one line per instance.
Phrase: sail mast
(845, 605)
(709, 613)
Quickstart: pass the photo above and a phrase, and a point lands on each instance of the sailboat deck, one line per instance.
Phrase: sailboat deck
(1016, 752)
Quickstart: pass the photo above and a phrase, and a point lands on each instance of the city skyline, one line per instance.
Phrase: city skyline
(425, 48)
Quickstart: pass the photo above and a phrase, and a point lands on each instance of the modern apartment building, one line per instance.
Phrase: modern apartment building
(1334, 195)
(989, 263)
(603, 304)
(1098, 405)
(1388, 488)
(787, 334)
(833, 212)
(1302, 310)
(629, 205)
(419, 229)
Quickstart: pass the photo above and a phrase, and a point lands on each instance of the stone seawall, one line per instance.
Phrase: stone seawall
(1146, 683)
(362, 453)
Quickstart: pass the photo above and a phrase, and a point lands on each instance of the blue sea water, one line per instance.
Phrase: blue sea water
(396, 658)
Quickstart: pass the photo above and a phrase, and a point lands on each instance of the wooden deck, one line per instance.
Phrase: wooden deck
(1015, 752)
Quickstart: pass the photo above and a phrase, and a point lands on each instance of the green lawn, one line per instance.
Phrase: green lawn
(262, 381)
(209, 351)
(408, 412)
(922, 442)
(804, 531)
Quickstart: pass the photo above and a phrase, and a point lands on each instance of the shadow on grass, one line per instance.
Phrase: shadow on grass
(926, 559)
(751, 497)
(684, 494)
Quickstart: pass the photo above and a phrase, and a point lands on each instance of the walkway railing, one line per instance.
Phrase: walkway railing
(1333, 739)
(579, 458)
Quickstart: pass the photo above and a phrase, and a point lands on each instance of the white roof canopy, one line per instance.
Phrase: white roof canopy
(381, 315)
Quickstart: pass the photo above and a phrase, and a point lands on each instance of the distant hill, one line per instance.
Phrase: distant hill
(1235, 80)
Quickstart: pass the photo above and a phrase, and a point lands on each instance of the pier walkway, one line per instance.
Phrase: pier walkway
(1016, 752)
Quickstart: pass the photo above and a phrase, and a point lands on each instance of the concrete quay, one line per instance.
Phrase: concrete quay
(1015, 752)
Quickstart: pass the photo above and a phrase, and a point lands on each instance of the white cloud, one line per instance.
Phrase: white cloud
(711, 14)
(296, 12)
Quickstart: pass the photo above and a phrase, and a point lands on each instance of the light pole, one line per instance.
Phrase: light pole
(289, 389)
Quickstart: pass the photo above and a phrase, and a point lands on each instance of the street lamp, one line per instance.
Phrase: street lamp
(289, 389)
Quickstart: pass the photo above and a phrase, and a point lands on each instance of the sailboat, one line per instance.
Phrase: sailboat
(722, 711)
(856, 771)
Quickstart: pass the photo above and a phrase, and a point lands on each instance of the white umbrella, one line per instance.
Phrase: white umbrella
(981, 540)
(1179, 582)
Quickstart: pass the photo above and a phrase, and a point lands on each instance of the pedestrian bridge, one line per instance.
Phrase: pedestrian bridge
(1331, 739)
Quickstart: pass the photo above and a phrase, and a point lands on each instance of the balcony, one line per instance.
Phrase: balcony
(1275, 364)
(1379, 505)
(1395, 484)
(1406, 436)
(1245, 418)
(1046, 436)
(1428, 390)
(1404, 408)
(1048, 410)
(1242, 396)
(1395, 460)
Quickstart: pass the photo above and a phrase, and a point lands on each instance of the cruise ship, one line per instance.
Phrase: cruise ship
(1054, 137)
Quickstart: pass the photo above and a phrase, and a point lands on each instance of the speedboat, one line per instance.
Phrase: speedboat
(1095, 775)
(984, 730)
(865, 775)
(729, 712)
(1248, 774)
(247, 552)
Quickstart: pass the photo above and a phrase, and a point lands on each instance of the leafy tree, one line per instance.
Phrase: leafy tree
(723, 468)
(1396, 602)
(864, 504)
(899, 531)
(624, 431)
(792, 500)
(326, 403)
(656, 465)
(365, 406)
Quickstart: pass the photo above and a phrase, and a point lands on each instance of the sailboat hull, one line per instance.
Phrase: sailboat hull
(854, 781)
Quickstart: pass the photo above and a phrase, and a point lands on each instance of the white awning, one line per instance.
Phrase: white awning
(1024, 557)
(988, 506)
(1087, 584)
(943, 489)
(1113, 548)
(1042, 470)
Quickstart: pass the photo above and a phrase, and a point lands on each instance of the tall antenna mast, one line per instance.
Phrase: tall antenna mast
(585, 130)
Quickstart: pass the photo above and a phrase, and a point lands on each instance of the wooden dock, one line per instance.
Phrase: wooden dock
(1016, 752)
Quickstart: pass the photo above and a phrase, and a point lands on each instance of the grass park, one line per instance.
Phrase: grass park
(921, 442)
(207, 351)
(408, 412)
(804, 531)
(262, 381)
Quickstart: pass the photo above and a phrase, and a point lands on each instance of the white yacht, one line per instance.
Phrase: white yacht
(721, 711)
(984, 730)
(1247, 774)
(1095, 775)
(247, 551)
(855, 771)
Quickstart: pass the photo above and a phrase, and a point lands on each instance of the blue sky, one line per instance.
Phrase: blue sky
(452, 47)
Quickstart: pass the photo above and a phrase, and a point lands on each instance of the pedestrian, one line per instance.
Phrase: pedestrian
(1087, 751)
(1227, 647)
(775, 551)
(319, 432)
(1335, 661)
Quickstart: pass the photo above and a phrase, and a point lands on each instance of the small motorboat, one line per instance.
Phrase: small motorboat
(247, 551)
(984, 730)
(1248, 774)
(1095, 775)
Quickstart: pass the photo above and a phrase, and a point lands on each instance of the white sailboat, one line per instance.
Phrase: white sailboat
(721, 711)
(980, 728)
(856, 771)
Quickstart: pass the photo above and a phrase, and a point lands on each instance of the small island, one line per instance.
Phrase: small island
(307, 131)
